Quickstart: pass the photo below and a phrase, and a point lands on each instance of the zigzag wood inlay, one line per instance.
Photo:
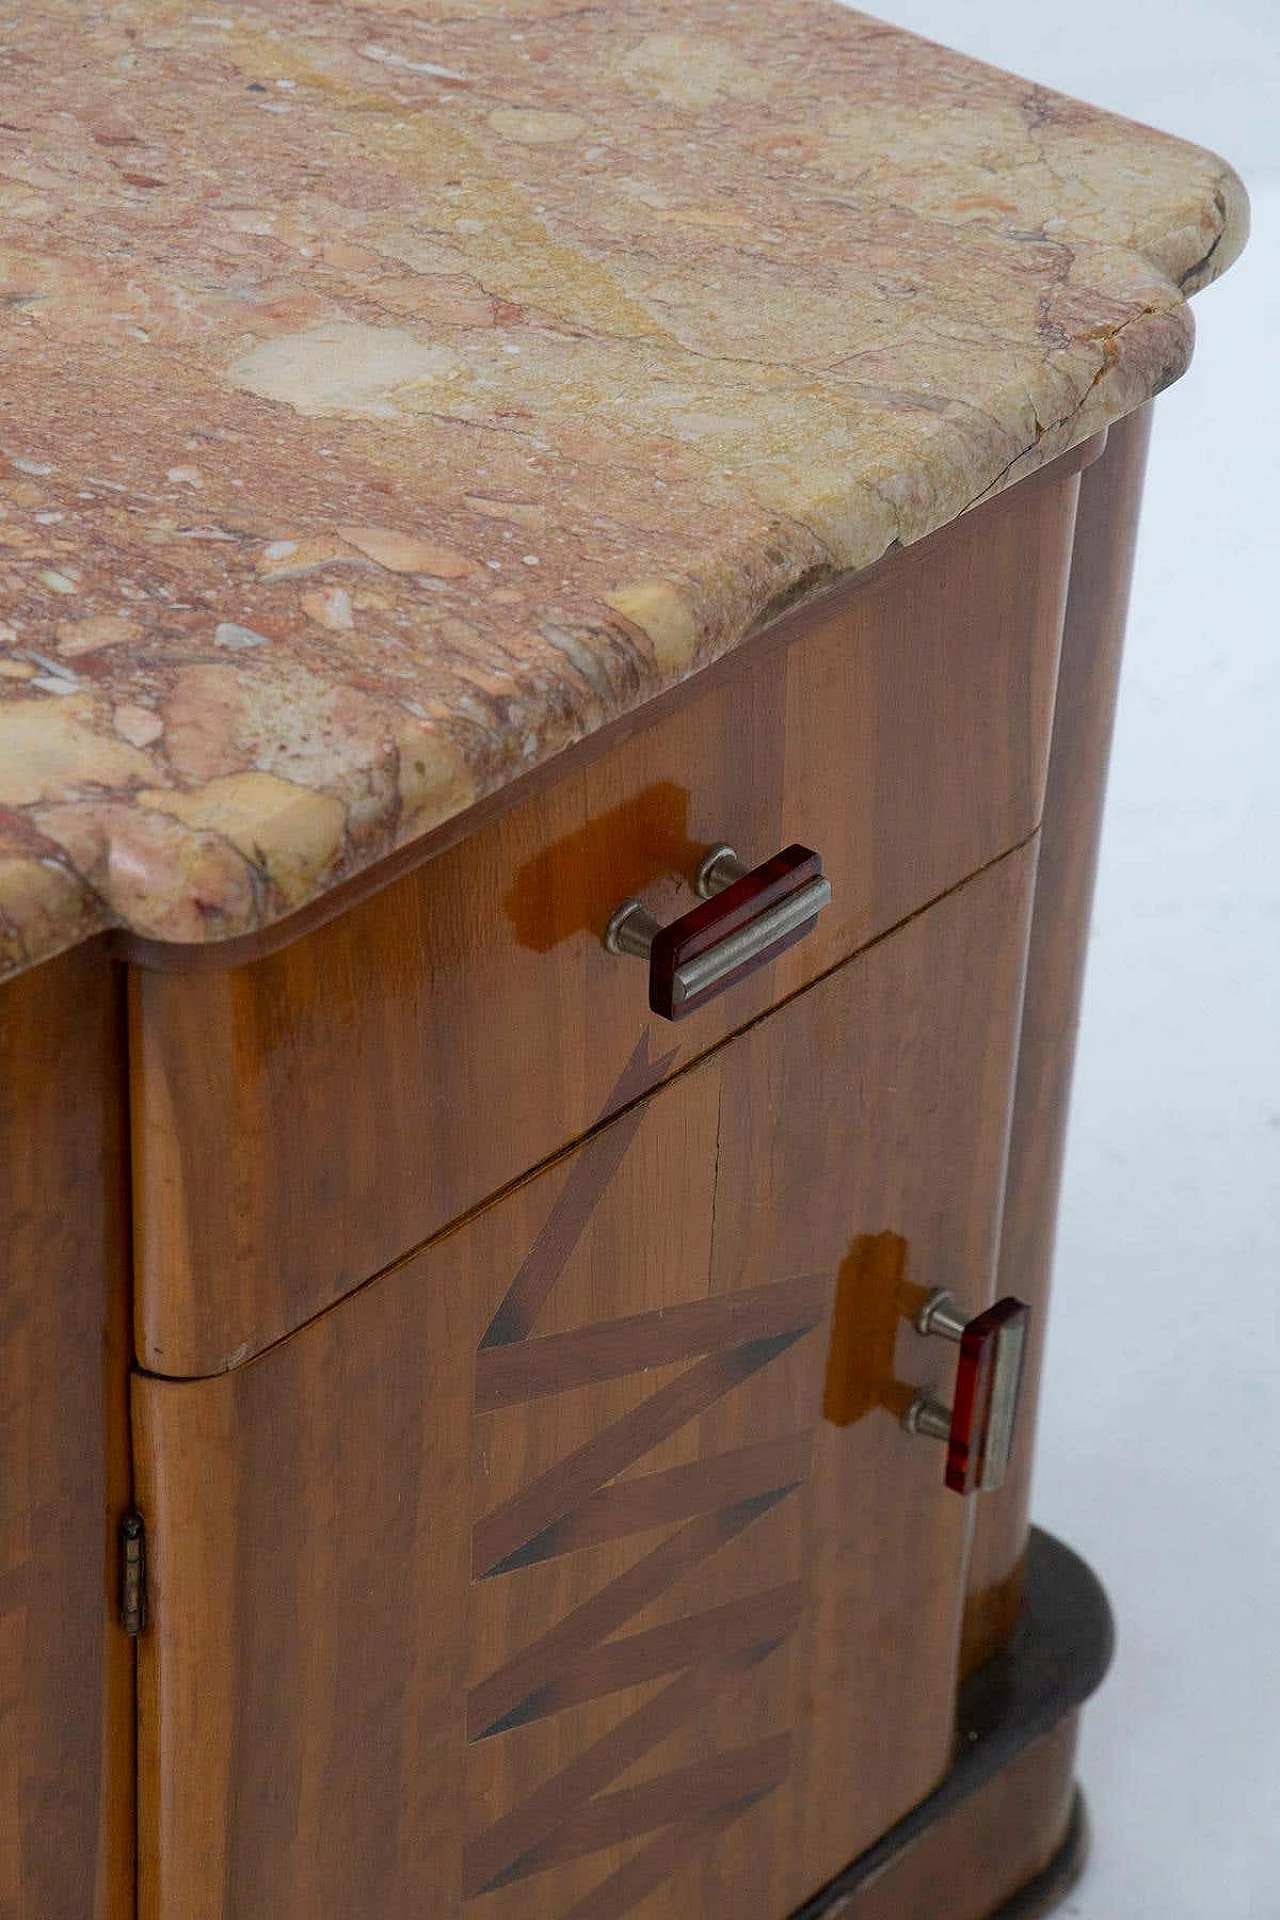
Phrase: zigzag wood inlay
(646, 1871)
(491, 1705)
(532, 1510)
(650, 1500)
(726, 1780)
(489, 1861)
(641, 1657)
(579, 1502)
(592, 1171)
(561, 1361)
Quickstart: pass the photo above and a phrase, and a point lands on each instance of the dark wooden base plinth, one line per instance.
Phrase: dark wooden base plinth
(1004, 1836)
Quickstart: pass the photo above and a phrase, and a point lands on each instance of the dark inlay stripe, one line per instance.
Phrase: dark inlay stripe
(655, 1864)
(537, 1666)
(488, 1859)
(593, 1169)
(760, 1619)
(558, 1362)
(659, 1499)
(556, 1492)
(573, 1504)
(688, 1795)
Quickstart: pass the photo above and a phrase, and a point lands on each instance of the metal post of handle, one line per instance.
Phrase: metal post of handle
(718, 870)
(631, 930)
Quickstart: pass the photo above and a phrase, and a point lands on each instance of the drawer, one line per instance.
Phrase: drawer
(580, 1563)
(305, 1117)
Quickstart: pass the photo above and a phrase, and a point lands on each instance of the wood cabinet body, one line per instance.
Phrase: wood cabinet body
(558, 1538)
(518, 1377)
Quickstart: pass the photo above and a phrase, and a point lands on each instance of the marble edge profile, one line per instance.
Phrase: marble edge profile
(47, 907)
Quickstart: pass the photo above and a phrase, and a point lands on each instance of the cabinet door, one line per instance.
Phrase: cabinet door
(578, 1565)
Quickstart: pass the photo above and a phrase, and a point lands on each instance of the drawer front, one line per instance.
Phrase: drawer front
(580, 1565)
(303, 1120)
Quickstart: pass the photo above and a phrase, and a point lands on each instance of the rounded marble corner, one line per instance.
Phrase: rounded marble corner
(1232, 197)
(325, 522)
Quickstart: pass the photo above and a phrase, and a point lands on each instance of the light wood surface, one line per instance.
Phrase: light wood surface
(1101, 570)
(66, 1669)
(533, 1571)
(302, 1121)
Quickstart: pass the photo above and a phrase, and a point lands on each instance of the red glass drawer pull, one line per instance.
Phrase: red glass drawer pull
(747, 918)
(979, 1427)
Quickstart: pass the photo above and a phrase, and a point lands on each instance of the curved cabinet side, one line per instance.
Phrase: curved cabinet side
(1097, 604)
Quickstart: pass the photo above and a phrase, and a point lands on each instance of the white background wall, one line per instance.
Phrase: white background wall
(1160, 1447)
(1208, 72)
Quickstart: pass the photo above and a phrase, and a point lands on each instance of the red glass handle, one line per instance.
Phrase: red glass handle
(984, 1416)
(980, 1426)
(750, 919)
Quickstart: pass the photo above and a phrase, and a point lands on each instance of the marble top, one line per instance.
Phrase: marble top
(396, 392)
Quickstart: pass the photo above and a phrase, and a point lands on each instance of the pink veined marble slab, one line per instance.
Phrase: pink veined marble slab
(394, 394)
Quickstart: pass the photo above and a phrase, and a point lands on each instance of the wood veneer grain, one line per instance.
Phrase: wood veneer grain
(1101, 571)
(401, 1063)
(437, 1633)
(66, 1669)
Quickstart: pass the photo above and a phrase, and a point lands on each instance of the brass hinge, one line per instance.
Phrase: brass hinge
(133, 1574)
